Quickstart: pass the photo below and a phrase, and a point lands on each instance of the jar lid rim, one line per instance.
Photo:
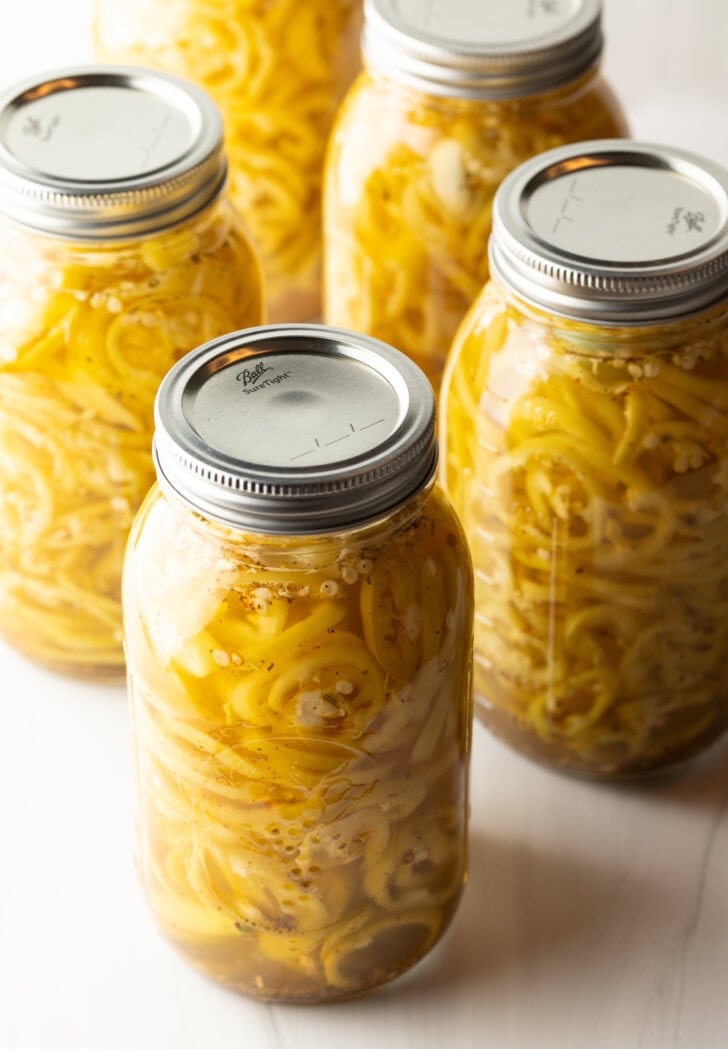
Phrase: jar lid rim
(107, 151)
(614, 230)
(295, 429)
(516, 51)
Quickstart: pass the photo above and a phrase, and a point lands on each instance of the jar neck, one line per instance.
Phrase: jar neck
(599, 339)
(291, 552)
(562, 94)
(44, 249)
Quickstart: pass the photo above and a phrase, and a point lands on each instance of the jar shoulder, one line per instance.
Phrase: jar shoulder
(382, 122)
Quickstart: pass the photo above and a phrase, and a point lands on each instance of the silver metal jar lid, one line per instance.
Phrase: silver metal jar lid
(294, 429)
(614, 231)
(490, 49)
(107, 151)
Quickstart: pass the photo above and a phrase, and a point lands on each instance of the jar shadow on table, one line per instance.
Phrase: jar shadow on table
(701, 783)
(65, 688)
(525, 908)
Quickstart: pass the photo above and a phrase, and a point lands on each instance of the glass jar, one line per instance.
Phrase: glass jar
(423, 140)
(120, 254)
(278, 70)
(585, 443)
(298, 610)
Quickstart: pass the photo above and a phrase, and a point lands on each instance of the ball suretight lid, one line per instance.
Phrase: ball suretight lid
(295, 429)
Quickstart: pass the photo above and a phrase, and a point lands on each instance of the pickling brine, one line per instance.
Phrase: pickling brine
(597, 517)
(301, 706)
(301, 732)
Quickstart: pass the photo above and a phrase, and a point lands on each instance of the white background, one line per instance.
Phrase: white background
(596, 917)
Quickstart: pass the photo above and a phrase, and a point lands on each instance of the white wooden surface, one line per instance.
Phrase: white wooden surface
(596, 917)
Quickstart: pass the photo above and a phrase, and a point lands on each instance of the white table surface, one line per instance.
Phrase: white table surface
(596, 917)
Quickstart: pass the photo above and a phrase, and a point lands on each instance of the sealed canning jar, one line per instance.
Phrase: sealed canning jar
(585, 425)
(278, 70)
(455, 95)
(120, 253)
(298, 612)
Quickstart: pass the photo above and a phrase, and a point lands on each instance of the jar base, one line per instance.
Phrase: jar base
(112, 672)
(558, 758)
(221, 971)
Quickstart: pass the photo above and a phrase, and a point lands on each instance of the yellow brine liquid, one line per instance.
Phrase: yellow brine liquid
(90, 329)
(590, 467)
(302, 720)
